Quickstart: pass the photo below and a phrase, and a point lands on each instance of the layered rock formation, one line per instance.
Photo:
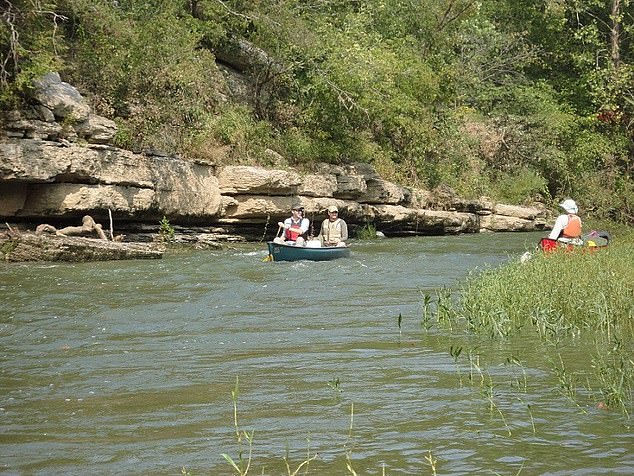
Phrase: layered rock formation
(57, 163)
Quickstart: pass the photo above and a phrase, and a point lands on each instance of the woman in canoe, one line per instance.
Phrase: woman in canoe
(567, 228)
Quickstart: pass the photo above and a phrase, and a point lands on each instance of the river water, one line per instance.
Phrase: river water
(128, 367)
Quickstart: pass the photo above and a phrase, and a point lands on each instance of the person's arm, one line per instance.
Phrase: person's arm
(320, 237)
(344, 231)
(304, 225)
(558, 227)
(287, 227)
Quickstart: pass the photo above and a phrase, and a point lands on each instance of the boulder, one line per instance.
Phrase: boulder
(527, 213)
(382, 191)
(508, 223)
(425, 221)
(318, 185)
(234, 180)
(62, 99)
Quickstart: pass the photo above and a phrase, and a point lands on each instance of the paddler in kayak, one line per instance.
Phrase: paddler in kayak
(567, 228)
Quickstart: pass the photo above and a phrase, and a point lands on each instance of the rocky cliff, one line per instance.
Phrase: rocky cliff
(58, 163)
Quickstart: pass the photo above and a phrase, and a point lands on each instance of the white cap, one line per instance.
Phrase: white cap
(569, 205)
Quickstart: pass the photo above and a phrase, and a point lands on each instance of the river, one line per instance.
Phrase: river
(128, 367)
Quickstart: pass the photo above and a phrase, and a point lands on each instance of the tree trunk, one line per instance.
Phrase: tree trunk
(615, 34)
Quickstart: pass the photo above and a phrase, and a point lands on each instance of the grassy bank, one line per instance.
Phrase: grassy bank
(565, 298)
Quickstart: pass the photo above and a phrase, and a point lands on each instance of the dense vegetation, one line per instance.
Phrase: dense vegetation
(520, 100)
(570, 300)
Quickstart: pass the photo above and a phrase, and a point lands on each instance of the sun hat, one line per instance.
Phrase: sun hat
(297, 206)
(332, 208)
(569, 205)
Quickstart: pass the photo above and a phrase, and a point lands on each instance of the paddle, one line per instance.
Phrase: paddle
(269, 257)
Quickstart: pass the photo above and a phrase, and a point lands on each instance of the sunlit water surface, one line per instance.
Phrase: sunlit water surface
(128, 367)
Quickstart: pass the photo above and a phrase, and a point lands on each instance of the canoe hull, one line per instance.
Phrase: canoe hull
(549, 246)
(282, 252)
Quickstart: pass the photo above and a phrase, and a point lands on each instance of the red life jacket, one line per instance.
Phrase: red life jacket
(292, 235)
(573, 228)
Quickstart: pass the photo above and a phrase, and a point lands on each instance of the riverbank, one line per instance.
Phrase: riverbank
(566, 299)
(59, 162)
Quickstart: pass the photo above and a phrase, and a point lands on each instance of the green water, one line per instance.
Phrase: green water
(127, 368)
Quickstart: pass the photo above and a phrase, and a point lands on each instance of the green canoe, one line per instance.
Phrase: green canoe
(283, 252)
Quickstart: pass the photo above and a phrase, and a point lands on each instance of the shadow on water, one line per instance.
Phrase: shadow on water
(128, 367)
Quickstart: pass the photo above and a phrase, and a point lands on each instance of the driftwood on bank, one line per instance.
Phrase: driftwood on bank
(88, 227)
(17, 247)
(67, 244)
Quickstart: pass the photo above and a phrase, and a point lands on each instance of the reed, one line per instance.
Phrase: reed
(561, 297)
(366, 232)
(556, 294)
(243, 464)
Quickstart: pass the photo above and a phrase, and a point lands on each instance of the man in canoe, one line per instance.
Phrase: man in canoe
(567, 228)
(334, 231)
(295, 227)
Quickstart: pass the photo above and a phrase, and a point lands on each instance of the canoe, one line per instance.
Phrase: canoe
(283, 252)
(591, 242)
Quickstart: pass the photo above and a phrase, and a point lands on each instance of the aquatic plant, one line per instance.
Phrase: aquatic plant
(615, 372)
(366, 232)
(432, 462)
(562, 297)
(243, 464)
(166, 231)
(426, 320)
(335, 384)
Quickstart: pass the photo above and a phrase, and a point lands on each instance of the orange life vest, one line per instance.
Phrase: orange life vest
(573, 228)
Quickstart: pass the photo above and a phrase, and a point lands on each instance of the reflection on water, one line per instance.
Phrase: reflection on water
(128, 368)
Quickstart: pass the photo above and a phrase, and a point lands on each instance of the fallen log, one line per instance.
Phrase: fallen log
(88, 227)
(21, 247)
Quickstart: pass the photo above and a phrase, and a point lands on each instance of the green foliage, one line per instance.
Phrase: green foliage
(30, 45)
(523, 184)
(555, 294)
(367, 232)
(7, 247)
(560, 296)
(237, 129)
(166, 231)
(161, 90)
(514, 99)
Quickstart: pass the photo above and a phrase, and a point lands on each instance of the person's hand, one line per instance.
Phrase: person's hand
(280, 224)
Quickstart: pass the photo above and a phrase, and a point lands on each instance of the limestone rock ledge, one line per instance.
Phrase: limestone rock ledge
(43, 181)
(31, 247)
(58, 163)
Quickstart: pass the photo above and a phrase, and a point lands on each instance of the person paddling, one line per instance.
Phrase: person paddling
(567, 228)
(295, 227)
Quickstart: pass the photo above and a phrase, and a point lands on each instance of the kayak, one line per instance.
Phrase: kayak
(591, 242)
(284, 252)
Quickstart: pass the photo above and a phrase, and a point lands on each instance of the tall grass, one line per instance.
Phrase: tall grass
(560, 296)
(556, 294)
